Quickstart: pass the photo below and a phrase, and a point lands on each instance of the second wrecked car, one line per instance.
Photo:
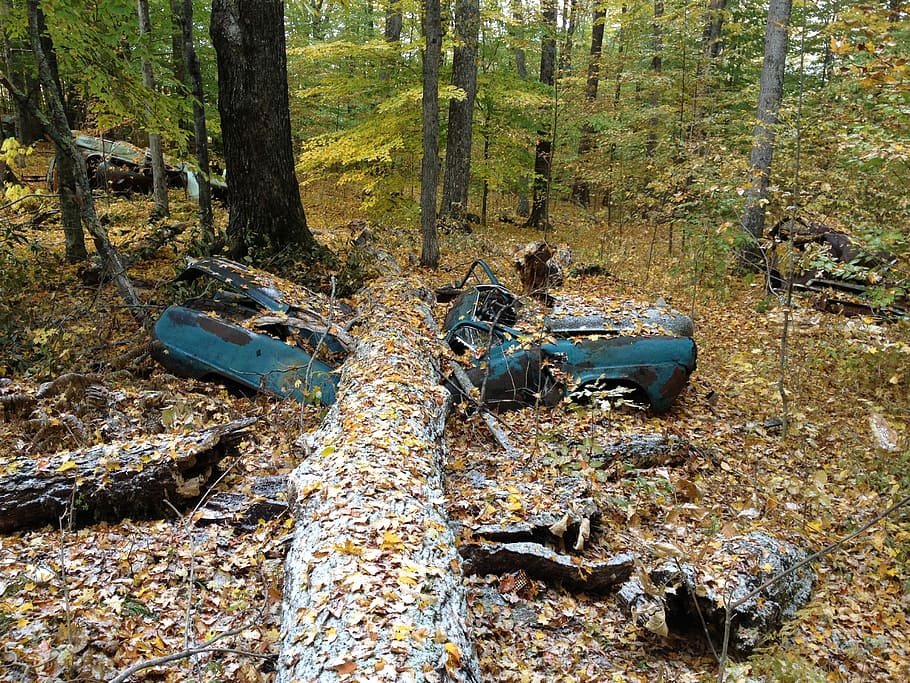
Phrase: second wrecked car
(647, 351)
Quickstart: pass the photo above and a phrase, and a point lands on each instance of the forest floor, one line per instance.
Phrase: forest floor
(81, 605)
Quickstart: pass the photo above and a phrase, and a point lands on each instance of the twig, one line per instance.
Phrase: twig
(189, 652)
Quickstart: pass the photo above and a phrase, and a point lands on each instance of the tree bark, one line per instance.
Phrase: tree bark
(373, 578)
(200, 129)
(456, 181)
(159, 178)
(113, 481)
(543, 154)
(266, 214)
(769, 99)
(581, 191)
(429, 167)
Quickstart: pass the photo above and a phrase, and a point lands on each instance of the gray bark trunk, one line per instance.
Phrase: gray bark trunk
(769, 99)
(373, 578)
(429, 167)
(456, 180)
(159, 178)
(656, 69)
(113, 481)
(711, 45)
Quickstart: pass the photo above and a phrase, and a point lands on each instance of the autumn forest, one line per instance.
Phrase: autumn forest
(525, 341)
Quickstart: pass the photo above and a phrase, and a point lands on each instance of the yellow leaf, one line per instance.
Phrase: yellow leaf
(67, 466)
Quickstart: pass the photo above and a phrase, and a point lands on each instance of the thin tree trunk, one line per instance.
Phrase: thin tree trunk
(711, 45)
(656, 69)
(523, 206)
(570, 9)
(200, 129)
(178, 59)
(617, 92)
(429, 176)
(539, 217)
(581, 192)
(159, 177)
(57, 127)
(769, 99)
(456, 181)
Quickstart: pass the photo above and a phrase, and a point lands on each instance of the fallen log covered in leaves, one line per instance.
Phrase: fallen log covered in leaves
(134, 478)
(373, 584)
(679, 597)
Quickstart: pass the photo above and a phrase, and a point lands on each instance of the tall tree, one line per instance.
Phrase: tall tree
(656, 69)
(711, 45)
(771, 88)
(200, 129)
(159, 178)
(456, 180)
(266, 213)
(514, 28)
(429, 166)
(581, 192)
(543, 154)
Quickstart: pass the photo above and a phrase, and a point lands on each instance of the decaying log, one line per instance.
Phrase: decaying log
(266, 499)
(113, 481)
(680, 598)
(372, 584)
(544, 564)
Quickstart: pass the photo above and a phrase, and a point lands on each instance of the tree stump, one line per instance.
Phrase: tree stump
(373, 578)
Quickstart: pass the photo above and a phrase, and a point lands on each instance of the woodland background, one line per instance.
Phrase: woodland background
(662, 149)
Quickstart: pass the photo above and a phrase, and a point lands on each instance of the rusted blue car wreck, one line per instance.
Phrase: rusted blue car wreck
(647, 351)
(257, 331)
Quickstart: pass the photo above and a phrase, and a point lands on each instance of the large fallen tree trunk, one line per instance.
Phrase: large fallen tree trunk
(135, 478)
(373, 578)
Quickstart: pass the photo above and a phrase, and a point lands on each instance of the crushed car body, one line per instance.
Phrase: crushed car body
(256, 330)
(648, 351)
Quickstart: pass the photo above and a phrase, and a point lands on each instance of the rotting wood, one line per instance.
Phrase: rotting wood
(112, 481)
(544, 564)
(373, 582)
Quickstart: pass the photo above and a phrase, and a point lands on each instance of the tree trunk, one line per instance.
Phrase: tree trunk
(570, 8)
(266, 214)
(373, 579)
(456, 180)
(769, 99)
(113, 481)
(543, 154)
(178, 59)
(656, 68)
(200, 129)
(70, 213)
(581, 192)
(159, 178)
(393, 21)
(523, 205)
(429, 167)
(711, 45)
(57, 127)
